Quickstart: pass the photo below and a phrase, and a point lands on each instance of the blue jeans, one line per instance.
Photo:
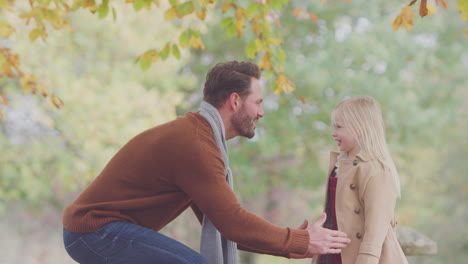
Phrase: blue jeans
(126, 243)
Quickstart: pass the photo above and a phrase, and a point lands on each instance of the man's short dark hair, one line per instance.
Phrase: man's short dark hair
(229, 77)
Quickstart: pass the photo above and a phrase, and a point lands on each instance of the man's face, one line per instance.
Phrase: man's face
(250, 112)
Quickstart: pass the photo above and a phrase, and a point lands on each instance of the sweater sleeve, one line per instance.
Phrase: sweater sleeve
(202, 178)
(379, 196)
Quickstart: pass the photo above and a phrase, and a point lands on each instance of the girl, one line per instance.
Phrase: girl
(363, 186)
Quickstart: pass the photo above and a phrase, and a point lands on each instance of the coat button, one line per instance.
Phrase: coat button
(355, 162)
(358, 235)
(352, 186)
(357, 210)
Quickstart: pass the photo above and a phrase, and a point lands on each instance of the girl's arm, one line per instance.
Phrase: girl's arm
(379, 196)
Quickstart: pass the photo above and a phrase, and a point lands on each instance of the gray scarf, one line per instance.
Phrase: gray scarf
(213, 247)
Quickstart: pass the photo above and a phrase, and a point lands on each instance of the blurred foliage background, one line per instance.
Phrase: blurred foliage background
(47, 156)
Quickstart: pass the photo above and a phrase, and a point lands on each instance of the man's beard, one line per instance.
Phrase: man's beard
(243, 124)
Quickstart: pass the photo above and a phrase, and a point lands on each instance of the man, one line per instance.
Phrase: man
(164, 170)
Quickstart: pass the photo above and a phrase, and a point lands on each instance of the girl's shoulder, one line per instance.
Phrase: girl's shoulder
(371, 166)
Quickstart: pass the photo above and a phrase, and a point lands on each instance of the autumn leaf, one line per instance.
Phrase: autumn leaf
(302, 99)
(412, 2)
(283, 84)
(443, 3)
(313, 17)
(2, 115)
(297, 11)
(6, 29)
(225, 7)
(406, 18)
(201, 15)
(275, 41)
(57, 102)
(423, 8)
(3, 100)
(240, 24)
(196, 42)
(265, 62)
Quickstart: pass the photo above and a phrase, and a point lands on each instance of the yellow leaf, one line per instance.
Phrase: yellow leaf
(34, 34)
(463, 7)
(265, 62)
(225, 7)
(57, 102)
(6, 29)
(201, 15)
(396, 23)
(431, 9)
(240, 13)
(405, 18)
(256, 28)
(196, 43)
(170, 14)
(275, 41)
(297, 11)
(2, 115)
(240, 24)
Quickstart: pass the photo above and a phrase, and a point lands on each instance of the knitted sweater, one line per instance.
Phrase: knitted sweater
(160, 173)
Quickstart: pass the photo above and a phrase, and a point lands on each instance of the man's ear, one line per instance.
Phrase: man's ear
(235, 101)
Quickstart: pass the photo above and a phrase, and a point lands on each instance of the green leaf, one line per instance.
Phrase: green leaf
(231, 30)
(173, 2)
(252, 9)
(103, 9)
(226, 22)
(194, 33)
(137, 59)
(2, 60)
(281, 55)
(165, 52)
(138, 4)
(114, 14)
(276, 5)
(77, 5)
(184, 38)
(175, 51)
(251, 49)
(145, 63)
(185, 8)
(266, 29)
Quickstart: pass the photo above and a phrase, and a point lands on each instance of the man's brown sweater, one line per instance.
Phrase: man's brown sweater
(164, 170)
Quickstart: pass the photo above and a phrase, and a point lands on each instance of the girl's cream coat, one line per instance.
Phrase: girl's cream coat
(365, 204)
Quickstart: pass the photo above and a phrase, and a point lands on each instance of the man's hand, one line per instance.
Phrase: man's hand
(325, 241)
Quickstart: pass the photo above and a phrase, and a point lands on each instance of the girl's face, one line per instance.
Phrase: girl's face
(344, 138)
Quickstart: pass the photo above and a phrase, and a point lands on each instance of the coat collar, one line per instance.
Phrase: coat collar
(361, 156)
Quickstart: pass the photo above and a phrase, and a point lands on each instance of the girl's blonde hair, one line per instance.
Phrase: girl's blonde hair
(362, 116)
